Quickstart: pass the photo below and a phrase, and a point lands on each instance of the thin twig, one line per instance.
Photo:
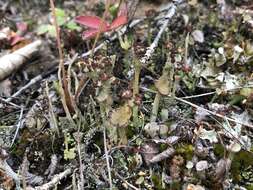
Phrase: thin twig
(32, 82)
(213, 113)
(19, 125)
(9, 102)
(129, 184)
(55, 180)
(37, 79)
(103, 117)
(107, 159)
(206, 110)
(198, 95)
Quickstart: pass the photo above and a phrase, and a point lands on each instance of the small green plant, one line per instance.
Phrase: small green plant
(63, 22)
(69, 153)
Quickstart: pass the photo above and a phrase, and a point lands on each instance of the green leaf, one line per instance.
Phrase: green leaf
(59, 12)
(43, 29)
(51, 31)
(61, 21)
(69, 154)
(114, 10)
(73, 26)
(163, 85)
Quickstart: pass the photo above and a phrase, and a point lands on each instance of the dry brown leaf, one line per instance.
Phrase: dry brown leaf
(121, 116)
(162, 85)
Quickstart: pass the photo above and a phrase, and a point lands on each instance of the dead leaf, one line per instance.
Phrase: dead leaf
(121, 116)
(148, 151)
(162, 85)
(152, 129)
(198, 36)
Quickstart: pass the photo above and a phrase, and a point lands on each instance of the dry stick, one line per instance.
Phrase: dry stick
(56, 179)
(186, 48)
(107, 6)
(129, 184)
(213, 113)
(13, 61)
(19, 125)
(199, 95)
(73, 102)
(37, 79)
(206, 110)
(214, 92)
(8, 102)
(171, 12)
(66, 99)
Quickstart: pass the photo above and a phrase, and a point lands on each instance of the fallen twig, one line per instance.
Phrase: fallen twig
(56, 179)
(13, 61)
(201, 108)
(37, 79)
(8, 102)
(29, 84)
(213, 113)
(129, 184)
(19, 125)
(198, 95)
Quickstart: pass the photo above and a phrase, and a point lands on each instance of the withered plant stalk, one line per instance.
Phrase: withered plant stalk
(63, 82)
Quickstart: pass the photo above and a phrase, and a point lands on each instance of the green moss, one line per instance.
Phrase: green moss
(219, 150)
(240, 163)
(186, 150)
(249, 187)
(157, 180)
